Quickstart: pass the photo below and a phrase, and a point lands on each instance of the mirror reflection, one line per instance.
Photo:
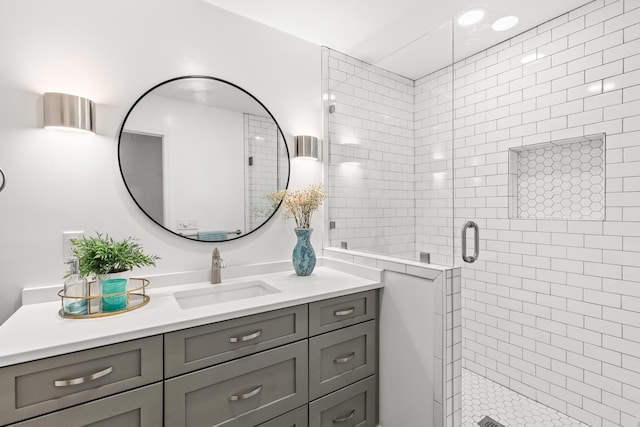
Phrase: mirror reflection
(199, 154)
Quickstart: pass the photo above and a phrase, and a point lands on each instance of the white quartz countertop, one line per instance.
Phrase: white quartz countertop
(36, 331)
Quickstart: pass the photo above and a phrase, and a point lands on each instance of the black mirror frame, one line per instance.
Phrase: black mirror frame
(124, 121)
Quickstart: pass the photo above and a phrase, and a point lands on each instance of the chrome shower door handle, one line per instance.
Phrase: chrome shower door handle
(476, 241)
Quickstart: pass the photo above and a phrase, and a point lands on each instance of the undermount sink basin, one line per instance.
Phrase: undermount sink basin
(217, 294)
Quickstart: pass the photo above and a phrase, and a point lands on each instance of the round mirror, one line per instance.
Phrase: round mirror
(199, 154)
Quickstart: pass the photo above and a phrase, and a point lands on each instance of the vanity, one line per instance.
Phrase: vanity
(302, 355)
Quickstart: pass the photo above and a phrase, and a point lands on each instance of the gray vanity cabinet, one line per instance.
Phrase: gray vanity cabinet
(297, 418)
(317, 361)
(343, 350)
(35, 388)
(352, 406)
(341, 357)
(335, 313)
(141, 407)
(241, 393)
(195, 348)
(311, 365)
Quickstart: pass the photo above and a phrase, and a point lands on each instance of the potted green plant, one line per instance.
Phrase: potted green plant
(110, 261)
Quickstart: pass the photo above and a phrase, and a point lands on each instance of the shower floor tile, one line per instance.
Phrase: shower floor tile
(482, 397)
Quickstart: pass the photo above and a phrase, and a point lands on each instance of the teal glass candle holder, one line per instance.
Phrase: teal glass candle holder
(115, 302)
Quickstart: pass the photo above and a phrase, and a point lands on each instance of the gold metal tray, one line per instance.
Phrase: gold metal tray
(136, 298)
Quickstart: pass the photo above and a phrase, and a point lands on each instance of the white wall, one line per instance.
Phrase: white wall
(111, 51)
(409, 342)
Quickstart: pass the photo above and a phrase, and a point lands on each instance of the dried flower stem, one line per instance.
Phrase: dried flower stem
(299, 204)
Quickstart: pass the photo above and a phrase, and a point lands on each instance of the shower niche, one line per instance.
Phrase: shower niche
(563, 179)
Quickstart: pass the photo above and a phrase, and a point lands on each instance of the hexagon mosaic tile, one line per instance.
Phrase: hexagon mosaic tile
(482, 397)
(561, 181)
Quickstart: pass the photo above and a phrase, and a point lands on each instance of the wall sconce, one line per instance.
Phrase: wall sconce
(307, 147)
(68, 112)
(3, 180)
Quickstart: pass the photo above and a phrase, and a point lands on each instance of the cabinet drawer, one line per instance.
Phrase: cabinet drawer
(352, 406)
(35, 388)
(331, 314)
(341, 357)
(297, 418)
(244, 392)
(137, 408)
(204, 346)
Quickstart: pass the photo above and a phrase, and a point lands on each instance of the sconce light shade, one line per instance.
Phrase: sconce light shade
(307, 146)
(62, 111)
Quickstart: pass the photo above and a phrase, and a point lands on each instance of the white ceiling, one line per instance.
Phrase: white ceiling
(213, 93)
(408, 37)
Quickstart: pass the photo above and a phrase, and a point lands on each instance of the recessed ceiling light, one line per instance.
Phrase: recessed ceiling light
(471, 17)
(505, 23)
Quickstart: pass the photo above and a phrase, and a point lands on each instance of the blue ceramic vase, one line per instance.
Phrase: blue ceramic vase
(304, 257)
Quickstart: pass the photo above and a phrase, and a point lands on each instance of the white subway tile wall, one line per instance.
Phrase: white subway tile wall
(262, 175)
(434, 154)
(371, 166)
(550, 309)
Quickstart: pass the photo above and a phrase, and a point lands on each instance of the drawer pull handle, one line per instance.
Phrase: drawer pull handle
(344, 359)
(245, 338)
(343, 419)
(82, 380)
(345, 312)
(236, 397)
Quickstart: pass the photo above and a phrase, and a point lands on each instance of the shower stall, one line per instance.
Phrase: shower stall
(509, 180)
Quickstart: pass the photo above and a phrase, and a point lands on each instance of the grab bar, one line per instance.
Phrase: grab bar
(476, 241)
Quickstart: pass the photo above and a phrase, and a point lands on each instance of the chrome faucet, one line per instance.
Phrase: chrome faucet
(216, 264)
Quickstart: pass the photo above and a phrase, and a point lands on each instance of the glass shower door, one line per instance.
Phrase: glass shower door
(537, 279)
